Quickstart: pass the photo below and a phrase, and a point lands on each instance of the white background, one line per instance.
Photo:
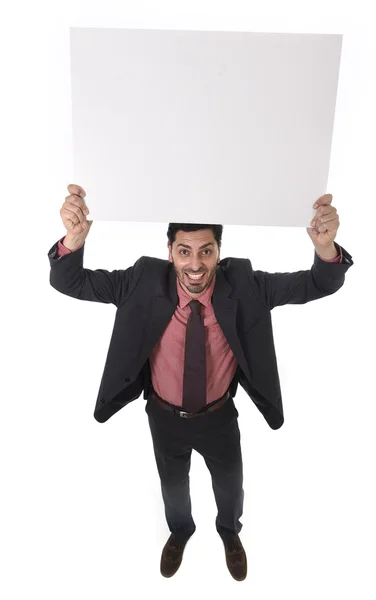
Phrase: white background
(81, 508)
(202, 126)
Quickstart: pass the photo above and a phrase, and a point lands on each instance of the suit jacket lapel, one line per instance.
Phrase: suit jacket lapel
(225, 309)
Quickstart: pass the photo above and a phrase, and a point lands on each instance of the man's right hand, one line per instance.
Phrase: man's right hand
(73, 213)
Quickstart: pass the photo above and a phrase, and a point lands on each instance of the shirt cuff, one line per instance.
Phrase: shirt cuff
(61, 249)
(337, 259)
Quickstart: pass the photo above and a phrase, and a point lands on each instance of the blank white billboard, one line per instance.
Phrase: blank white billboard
(203, 126)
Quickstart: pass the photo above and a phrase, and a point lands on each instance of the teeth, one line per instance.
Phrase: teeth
(195, 276)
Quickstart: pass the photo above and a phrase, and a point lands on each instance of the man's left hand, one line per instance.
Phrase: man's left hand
(325, 223)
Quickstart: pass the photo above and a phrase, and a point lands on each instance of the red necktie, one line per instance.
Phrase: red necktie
(194, 379)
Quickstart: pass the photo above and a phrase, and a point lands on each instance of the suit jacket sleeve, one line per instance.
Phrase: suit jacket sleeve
(324, 278)
(68, 276)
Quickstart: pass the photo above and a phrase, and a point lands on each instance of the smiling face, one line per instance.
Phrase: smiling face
(194, 252)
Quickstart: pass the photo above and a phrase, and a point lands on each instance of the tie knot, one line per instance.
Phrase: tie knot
(195, 306)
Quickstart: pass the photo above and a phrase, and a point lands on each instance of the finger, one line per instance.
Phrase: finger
(322, 213)
(328, 226)
(312, 231)
(73, 208)
(70, 215)
(323, 200)
(325, 211)
(78, 201)
(74, 219)
(328, 217)
(76, 189)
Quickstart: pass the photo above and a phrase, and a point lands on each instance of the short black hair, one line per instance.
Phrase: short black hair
(174, 227)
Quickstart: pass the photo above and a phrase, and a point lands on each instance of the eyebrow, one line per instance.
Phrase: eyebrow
(204, 246)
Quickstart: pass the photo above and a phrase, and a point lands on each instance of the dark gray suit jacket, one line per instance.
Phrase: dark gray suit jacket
(146, 297)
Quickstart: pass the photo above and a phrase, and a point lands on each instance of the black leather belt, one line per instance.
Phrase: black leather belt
(187, 415)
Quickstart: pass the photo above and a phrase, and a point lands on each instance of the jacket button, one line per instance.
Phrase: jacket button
(103, 400)
(127, 379)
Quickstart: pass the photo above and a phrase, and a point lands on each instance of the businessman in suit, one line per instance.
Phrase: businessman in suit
(187, 331)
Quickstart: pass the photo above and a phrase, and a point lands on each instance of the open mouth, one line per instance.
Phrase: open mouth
(195, 279)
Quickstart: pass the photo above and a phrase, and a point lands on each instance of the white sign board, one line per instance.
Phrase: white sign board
(203, 126)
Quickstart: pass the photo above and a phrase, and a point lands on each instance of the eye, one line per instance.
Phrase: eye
(187, 251)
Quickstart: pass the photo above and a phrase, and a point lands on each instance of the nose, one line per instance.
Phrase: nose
(196, 267)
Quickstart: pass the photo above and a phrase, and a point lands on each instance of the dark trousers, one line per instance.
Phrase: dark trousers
(216, 437)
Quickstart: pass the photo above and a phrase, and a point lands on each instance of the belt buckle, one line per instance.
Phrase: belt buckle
(183, 413)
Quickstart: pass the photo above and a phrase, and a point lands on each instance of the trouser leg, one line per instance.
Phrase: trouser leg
(222, 454)
(173, 459)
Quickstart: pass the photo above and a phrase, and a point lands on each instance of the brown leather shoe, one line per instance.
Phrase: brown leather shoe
(172, 555)
(236, 558)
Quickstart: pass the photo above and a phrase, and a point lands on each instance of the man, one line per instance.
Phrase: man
(186, 332)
